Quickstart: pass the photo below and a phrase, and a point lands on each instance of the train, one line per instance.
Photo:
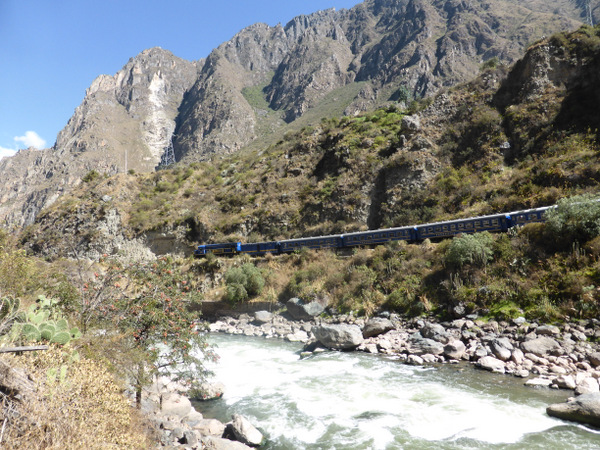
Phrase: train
(438, 230)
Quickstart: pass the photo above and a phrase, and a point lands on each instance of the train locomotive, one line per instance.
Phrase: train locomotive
(439, 230)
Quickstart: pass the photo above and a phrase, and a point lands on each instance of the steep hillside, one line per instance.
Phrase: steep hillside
(267, 80)
(480, 147)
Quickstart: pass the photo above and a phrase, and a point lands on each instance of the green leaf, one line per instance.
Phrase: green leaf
(62, 338)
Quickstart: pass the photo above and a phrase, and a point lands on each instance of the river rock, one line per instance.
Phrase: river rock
(588, 385)
(517, 356)
(241, 430)
(540, 346)
(173, 404)
(547, 330)
(582, 409)
(594, 359)
(303, 311)
(377, 326)
(492, 364)
(217, 443)
(210, 391)
(338, 336)
(420, 345)
(501, 348)
(415, 360)
(209, 427)
(565, 382)
(261, 317)
(454, 349)
(436, 332)
(539, 382)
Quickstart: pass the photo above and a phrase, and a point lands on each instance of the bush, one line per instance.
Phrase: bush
(243, 282)
(469, 249)
(576, 219)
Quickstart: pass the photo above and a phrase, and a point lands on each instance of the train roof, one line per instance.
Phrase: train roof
(379, 230)
(328, 236)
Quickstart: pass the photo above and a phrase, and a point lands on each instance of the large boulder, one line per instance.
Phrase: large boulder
(540, 346)
(261, 317)
(547, 330)
(216, 443)
(173, 404)
(501, 348)
(492, 364)
(582, 409)
(436, 332)
(421, 346)
(454, 349)
(240, 429)
(209, 427)
(377, 326)
(299, 310)
(338, 336)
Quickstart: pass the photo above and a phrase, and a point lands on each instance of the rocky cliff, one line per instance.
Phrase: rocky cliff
(264, 78)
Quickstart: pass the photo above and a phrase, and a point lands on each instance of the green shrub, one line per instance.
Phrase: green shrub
(243, 282)
(576, 219)
(469, 249)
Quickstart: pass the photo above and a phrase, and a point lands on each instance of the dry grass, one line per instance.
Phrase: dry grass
(82, 408)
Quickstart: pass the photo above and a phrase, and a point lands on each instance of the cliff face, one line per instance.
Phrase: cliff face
(124, 123)
(393, 47)
(266, 77)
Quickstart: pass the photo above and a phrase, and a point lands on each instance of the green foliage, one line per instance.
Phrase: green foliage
(491, 63)
(576, 219)
(243, 282)
(9, 311)
(91, 176)
(154, 311)
(42, 322)
(469, 249)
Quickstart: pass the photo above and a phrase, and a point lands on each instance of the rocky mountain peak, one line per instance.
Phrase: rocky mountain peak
(326, 63)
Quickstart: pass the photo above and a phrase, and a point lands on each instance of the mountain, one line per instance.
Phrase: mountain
(511, 138)
(268, 80)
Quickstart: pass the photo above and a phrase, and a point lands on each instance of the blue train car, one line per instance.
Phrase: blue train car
(526, 216)
(374, 237)
(495, 222)
(229, 248)
(260, 248)
(333, 241)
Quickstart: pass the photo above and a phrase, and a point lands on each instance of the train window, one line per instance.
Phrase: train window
(430, 229)
(445, 228)
(495, 222)
(469, 225)
(486, 223)
(453, 227)
(461, 226)
(438, 229)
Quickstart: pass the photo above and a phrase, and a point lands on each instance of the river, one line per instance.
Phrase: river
(353, 400)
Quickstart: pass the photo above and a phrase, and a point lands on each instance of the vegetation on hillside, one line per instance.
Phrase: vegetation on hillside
(109, 326)
(476, 150)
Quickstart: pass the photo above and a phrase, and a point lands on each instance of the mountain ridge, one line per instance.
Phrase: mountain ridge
(390, 49)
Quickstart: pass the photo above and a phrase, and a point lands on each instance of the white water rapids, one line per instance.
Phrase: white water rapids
(357, 401)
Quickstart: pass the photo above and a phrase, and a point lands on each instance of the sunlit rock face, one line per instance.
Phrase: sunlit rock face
(267, 76)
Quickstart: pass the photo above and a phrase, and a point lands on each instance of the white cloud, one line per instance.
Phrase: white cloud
(31, 139)
(6, 152)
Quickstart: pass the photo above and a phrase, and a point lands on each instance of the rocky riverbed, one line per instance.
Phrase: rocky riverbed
(565, 356)
(548, 356)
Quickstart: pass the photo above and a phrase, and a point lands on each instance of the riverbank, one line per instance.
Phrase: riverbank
(561, 357)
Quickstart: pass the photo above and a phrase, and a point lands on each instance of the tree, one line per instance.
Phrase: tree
(154, 322)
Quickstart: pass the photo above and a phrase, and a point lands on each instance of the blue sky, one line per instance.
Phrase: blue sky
(52, 50)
